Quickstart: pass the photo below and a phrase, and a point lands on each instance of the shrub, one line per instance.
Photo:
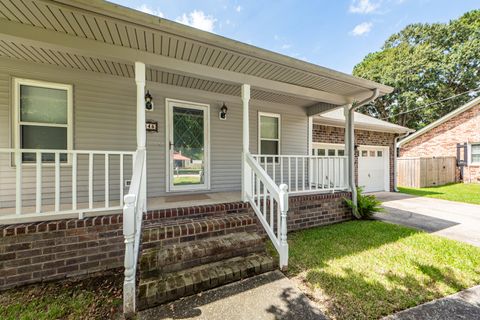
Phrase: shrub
(367, 205)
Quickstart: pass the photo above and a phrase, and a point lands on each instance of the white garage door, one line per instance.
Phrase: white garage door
(373, 169)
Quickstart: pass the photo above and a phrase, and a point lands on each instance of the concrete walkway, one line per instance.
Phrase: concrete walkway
(463, 305)
(268, 296)
(454, 220)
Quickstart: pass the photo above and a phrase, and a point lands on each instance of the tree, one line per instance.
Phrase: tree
(425, 63)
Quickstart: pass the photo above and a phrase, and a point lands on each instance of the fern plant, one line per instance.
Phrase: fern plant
(367, 205)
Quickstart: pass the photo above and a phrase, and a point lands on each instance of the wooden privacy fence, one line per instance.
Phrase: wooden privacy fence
(426, 172)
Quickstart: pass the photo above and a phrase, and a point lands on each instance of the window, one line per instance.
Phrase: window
(269, 133)
(475, 153)
(43, 118)
(364, 153)
(331, 152)
(379, 153)
(328, 149)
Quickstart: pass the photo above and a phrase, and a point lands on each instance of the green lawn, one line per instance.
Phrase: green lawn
(94, 298)
(461, 192)
(369, 269)
(187, 179)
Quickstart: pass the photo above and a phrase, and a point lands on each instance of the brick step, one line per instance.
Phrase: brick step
(157, 290)
(155, 261)
(163, 233)
(197, 211)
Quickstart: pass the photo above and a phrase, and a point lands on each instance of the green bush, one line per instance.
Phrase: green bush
(367, 205)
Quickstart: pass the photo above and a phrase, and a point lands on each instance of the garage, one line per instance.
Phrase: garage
(373, 168)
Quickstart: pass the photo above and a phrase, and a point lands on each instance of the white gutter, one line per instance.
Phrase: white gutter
(350, 143)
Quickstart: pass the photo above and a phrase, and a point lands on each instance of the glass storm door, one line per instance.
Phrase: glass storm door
(187, 146)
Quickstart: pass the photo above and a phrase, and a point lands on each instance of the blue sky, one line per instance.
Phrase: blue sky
(332, 33)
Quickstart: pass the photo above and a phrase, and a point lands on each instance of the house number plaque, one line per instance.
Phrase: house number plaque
(151, 126)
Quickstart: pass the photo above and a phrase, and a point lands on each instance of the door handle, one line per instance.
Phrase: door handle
(170, 145)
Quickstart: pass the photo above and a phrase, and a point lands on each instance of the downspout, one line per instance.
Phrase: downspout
(395, 164)
(349, 127)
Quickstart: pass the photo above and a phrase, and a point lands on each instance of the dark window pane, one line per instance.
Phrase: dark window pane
(331, 152)
(269, 147)
(37, 137)
(341, 153)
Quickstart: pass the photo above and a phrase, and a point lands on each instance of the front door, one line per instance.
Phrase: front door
(188, 146)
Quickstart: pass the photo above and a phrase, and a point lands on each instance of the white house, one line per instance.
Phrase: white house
(77, 163)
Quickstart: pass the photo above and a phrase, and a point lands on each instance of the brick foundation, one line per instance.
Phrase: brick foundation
(55, 250)
(327, 134)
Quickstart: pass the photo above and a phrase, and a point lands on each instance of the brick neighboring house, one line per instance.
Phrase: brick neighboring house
(374, 146)
(440, 138)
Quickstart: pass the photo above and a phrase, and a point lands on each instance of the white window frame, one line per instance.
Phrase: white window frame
(470, 154)
(326, 146)
(170, 187)
(259, 129)
(17, 82)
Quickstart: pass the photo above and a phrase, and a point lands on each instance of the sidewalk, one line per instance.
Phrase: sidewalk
(267, 296)
(463, 305)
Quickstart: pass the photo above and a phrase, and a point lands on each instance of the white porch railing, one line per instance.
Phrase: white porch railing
(53, 182)
(135, 205)
(270, 203)
(306, 174)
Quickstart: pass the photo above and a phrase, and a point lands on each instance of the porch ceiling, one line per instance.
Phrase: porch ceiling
(118, 27)
(36, 54)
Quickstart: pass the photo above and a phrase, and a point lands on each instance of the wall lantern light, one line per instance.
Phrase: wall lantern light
(223, 112)
(148, 101)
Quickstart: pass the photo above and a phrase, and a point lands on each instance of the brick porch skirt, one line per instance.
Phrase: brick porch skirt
(54, 250)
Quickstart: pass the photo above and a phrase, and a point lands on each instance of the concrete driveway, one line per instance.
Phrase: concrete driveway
(454, 220)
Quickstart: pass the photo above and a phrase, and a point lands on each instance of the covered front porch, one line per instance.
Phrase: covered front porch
(74, 140)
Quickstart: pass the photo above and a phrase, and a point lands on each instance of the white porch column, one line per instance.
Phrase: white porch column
(350, 149)
(140, 81)
(309, 151)
(141, 132)
(246, 172)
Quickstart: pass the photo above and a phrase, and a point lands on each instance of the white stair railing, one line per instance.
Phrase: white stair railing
(133, 210)
(306, 174)
(270, 203)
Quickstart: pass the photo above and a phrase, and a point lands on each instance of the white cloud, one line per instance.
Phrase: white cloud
(286, 46)
(363, 6)
(362, 28)
(147, 9)
(199, 20)
(238, 8)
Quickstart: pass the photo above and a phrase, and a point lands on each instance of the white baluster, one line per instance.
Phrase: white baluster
(283, 196)
(107, 184)
(121, 179)
(38, 205)
(57, 181)
(129, 296)
(90, 180)
(74, 181)
(18, 181)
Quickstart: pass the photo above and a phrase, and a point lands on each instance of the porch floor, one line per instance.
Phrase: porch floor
(7, 214)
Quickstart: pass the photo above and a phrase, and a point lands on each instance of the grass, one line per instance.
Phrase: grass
(182, 180)
(461, 192)
(94, 298)
(370, 269)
